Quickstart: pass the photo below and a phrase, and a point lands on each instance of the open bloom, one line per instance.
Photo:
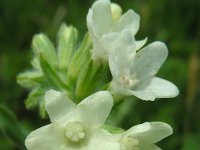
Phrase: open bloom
(74, 127)
(104, 20)
(144, 136)
(134, 71)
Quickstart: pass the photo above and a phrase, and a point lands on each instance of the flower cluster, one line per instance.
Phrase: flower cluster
(108, 66)
(133, 69)
(81, 127)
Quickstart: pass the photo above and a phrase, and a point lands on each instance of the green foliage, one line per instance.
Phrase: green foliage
(11, 128)
(67, 68)
(191, 142)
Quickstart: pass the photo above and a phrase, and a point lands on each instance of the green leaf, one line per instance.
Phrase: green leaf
(5, 142)
(42, 44)
(52, 75)
(67, 41)
(30, 79)
(11, 127)
(80, 59)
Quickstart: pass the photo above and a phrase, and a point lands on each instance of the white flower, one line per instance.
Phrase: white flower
(134, 71)
(74, 127)
(104, 22)
(144, 136)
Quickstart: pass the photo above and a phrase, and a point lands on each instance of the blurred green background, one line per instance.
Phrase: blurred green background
(176, 22)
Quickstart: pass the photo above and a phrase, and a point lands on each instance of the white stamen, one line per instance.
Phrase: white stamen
(128, 81)
(74, 132)
(131, 143)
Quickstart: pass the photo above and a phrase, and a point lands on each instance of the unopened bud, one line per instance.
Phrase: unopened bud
(116, 12)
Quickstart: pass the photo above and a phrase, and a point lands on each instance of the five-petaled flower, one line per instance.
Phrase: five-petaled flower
(74, 127)
(144, 136)
(134, 70)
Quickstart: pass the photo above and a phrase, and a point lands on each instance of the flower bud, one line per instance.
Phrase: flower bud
(42, 45)
(116, 12)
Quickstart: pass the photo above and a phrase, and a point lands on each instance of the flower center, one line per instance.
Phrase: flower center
(130, 143)
(128, 81)
(74, 132)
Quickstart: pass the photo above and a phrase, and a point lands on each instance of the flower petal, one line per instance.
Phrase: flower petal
(48, 137)
(149, 132)
(129, 21)
(98, 50)
(119, 89)
(101, 18)
(58, 105)
(94, 110)
(123, 53)
(102, 140)
(146, 94)
(163, 88)
(156, 88)
(149, 59)
(108, 41)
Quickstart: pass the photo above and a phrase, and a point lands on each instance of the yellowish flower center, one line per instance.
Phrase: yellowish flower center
(128, 81)
(74, 132)
(130, 143)
(116, 12)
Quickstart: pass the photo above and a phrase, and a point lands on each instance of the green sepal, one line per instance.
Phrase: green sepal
(42, 110)
(42, 44)
(30, 79)
(80, 59)
(67, 42)
(11, 127)
(112, 129)
(34, 97)
(93, 78)
(51, 75)
(35, 62)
